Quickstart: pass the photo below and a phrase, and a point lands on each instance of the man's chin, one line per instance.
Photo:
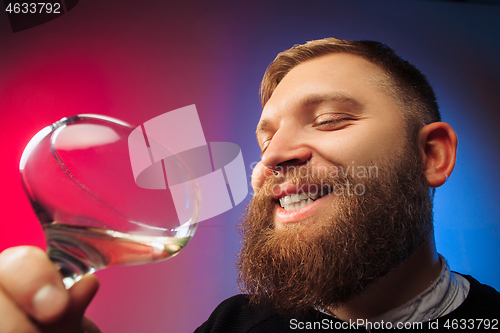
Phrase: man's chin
(306, 228)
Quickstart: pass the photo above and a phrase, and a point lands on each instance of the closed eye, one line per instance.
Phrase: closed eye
(333, 124)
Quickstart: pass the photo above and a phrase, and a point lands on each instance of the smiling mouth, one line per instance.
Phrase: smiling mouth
(299, 200)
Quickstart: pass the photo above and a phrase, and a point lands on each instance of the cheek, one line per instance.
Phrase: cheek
(362, 146)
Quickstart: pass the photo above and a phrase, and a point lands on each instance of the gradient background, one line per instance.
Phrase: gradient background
(136, 60)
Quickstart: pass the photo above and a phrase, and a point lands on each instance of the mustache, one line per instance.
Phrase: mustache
(313, 180)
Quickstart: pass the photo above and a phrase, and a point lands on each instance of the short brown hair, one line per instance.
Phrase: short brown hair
(405, 83)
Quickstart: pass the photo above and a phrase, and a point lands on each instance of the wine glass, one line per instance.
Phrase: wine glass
(78, 176)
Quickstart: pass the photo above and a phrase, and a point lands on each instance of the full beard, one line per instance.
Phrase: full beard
(326, 262)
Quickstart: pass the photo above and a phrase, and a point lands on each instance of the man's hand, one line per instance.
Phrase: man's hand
(34, 299)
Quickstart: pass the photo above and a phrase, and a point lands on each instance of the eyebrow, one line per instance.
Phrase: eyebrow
(340, 98)
(315, 99)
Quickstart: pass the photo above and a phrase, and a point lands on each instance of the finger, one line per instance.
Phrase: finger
(89, 326)
(13, 319)
(81, 294)
(33, 282)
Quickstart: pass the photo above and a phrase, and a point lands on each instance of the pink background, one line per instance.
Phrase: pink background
(136, 60)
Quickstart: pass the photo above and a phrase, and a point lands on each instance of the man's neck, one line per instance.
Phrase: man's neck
(408, 280)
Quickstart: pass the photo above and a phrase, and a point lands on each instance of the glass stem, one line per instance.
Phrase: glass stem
(71, 269)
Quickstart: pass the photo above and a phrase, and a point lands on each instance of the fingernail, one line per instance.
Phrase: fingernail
(49, 302)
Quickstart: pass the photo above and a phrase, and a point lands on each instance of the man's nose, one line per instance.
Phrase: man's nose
(288, 148)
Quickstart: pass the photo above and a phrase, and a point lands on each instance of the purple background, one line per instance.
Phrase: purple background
(136, 60)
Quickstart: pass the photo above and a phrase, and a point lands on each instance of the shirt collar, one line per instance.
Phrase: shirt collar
(444, 295)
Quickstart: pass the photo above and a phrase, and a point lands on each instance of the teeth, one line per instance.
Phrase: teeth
(297, 205)
(298, 200)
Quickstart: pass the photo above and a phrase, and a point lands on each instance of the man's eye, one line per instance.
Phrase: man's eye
(333, 123)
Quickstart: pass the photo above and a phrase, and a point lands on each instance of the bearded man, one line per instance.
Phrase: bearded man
(339, 234)
(323, 248)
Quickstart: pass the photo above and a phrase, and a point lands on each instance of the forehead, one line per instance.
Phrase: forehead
(341, 75)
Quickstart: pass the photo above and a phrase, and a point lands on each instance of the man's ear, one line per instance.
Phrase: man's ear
(438, 144)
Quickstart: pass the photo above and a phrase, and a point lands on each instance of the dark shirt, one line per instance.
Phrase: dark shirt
(480, 310)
